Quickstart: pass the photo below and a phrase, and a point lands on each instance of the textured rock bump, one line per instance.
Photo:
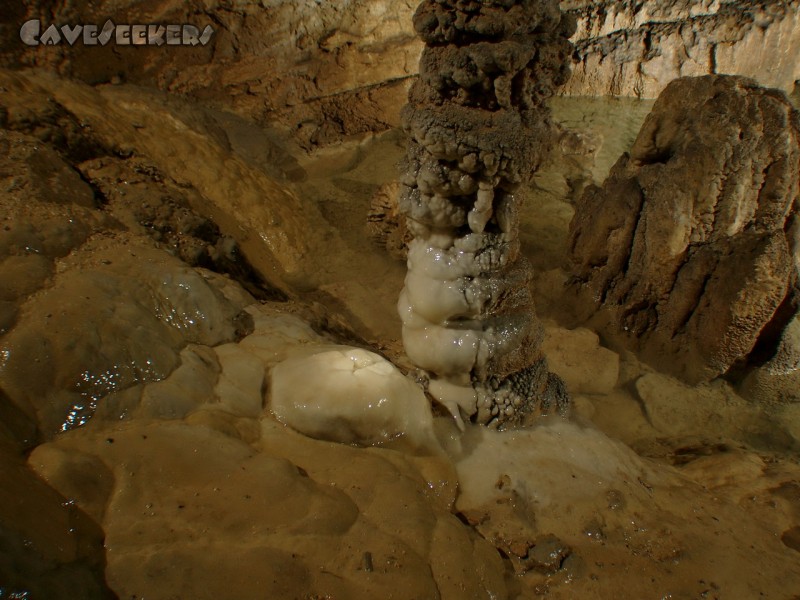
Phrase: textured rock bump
(692, 240)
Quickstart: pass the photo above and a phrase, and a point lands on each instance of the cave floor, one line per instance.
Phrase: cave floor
(182, 484)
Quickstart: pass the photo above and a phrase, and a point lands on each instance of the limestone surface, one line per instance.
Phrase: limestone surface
(578, 358)
(691, 241)
(329, 71)
(183, 484)
(630, 48)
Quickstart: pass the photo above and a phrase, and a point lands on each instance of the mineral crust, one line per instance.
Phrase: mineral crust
(478, 128)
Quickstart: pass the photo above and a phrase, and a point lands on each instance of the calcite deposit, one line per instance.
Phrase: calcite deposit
(356, 397)
(477, 129)
(692, 240)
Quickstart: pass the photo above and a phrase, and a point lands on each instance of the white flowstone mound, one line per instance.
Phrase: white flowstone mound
(349, 395)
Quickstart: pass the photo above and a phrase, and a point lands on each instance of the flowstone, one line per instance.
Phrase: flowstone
(478, 128)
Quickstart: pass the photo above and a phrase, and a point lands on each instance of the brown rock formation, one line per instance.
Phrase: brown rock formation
(630, 48)
(330, 70)
(385, 225)
(85, 123)
(690, 240)
(478, 128)
(324, 70)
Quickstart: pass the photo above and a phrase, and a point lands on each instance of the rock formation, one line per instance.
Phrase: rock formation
(326, 71)
(322, 70)
(692, 240)
(126, 216)
(477, 128)
(630, 48)
(385, 225)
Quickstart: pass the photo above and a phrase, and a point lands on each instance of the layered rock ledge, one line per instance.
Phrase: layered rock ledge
(629, 48)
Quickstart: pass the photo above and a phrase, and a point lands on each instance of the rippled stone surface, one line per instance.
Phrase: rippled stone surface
(692, 240)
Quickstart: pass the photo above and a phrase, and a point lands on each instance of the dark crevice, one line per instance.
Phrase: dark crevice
(686, 454)
(712, 59)
(689, 313)
(648, 42)
(58, 127)
(240, 270)
(99, 196)
(769, 339)
(639, 317)
(461, 517)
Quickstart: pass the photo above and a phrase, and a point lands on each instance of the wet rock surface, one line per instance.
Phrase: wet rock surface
(245, 486)
(176, 469)
(691, 241)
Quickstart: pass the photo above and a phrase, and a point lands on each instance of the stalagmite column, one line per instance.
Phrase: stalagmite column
(477, 129)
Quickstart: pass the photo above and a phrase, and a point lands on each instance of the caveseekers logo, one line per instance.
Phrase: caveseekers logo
(31, 34)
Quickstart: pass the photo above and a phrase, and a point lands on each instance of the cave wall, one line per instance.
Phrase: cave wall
(324, 70)
(330, 70)
(634, 48)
